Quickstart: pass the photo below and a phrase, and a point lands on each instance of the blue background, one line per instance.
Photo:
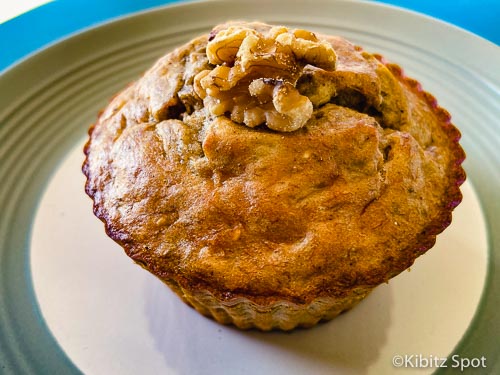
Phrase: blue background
(50, 22)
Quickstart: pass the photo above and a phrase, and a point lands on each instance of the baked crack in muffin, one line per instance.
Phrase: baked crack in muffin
(272, 177)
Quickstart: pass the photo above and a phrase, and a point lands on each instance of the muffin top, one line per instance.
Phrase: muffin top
(265, 162)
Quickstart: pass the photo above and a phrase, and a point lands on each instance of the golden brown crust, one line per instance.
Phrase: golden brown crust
(340, 205)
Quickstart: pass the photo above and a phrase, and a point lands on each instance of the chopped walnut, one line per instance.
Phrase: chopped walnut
(256, 73)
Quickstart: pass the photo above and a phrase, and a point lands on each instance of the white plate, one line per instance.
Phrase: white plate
(100, 305)
(71, 300)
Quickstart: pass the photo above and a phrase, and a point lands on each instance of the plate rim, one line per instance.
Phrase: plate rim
(115, 12)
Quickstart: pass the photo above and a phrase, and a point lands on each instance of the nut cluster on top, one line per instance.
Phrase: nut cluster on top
(255, 75)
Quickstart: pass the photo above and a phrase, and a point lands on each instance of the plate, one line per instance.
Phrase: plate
(71, 302)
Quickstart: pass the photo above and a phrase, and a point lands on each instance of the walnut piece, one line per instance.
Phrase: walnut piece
(255, 75)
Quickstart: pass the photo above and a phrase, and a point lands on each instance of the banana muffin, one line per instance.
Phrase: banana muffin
(272, 177)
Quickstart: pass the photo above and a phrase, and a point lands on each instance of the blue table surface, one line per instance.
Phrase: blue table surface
(35, 29)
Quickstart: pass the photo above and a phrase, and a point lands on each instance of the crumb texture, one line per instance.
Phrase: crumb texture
(267, 163)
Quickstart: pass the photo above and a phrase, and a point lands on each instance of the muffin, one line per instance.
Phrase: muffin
(272, 177)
